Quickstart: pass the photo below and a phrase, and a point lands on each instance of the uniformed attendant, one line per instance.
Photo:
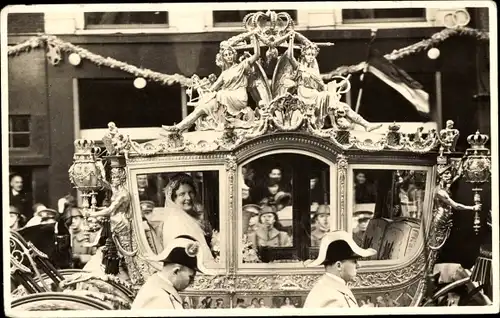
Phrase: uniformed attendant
(270, 233)
(181, 260)
(322, 224)
(339, 254)
(363, 213)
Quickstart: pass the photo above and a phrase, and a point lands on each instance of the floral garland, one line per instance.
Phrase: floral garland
(98, 59)
(423, 45)
(167, 79)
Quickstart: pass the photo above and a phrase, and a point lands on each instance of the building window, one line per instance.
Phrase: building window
(383, 15)
(18, 23)
(117, 100)
(235, 17)
(19, 131)
(113, 20)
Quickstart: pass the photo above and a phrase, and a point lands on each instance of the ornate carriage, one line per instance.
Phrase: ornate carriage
(279, 153)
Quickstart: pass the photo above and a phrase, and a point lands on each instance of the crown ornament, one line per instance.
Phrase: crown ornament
(84, 146)
(477, 144)
(394, 127)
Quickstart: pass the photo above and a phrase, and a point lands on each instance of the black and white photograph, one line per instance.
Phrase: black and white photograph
(169, 159)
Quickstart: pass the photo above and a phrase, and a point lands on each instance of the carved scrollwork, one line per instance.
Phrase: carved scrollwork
(391, 278)
(375, 279)
(229, 139)
(287, 112)
(203, 283)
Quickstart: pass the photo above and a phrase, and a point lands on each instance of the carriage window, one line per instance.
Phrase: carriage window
(285, 208)
(387, 210)
(186, 203)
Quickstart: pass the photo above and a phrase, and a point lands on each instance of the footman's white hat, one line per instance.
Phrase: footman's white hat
(184, 250)
(338, 246)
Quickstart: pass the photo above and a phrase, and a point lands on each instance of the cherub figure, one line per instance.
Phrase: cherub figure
(448, 137)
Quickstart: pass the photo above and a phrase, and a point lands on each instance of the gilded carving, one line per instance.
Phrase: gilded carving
(342, 179)
(390, 278)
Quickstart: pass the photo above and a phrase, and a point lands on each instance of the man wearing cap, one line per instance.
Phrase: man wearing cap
(181, 260)
(338, 253)
(152, 228)
(270, 233)
(363, 213)
(322, 224)
(251, 217)
(43, 215)
(16, 218)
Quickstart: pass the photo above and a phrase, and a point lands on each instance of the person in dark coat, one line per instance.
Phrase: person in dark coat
(19, 198)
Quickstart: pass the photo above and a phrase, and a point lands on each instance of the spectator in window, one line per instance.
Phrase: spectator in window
(368, 302)
(287, 303)
(284, 209)
(316, 191)
(364, 192)
(251, 218)
(16, 218)
(362, 215)
(248, 176)
(321, 219)
(245, 194)
(19, 198)
(240, 303)
(254, 303)
(389, 302)
(262, 303)
(270, 233)
(80, 239)
(272, 184)
(146, 192)
(219, 303)
(379, 302)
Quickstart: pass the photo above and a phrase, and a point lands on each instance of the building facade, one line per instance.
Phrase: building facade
(50, 106)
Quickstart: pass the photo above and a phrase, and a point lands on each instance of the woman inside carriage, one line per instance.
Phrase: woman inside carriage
(183, 215)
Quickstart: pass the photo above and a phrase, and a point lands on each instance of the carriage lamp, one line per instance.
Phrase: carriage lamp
(477, 168)
(87, 173)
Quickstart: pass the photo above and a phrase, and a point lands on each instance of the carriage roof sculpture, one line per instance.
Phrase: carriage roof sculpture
(289, 111)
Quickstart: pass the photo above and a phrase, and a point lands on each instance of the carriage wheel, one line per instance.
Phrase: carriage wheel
(57, 301)
(468, 299)
(118, 290)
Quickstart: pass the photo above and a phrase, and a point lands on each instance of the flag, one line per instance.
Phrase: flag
(398, 79)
